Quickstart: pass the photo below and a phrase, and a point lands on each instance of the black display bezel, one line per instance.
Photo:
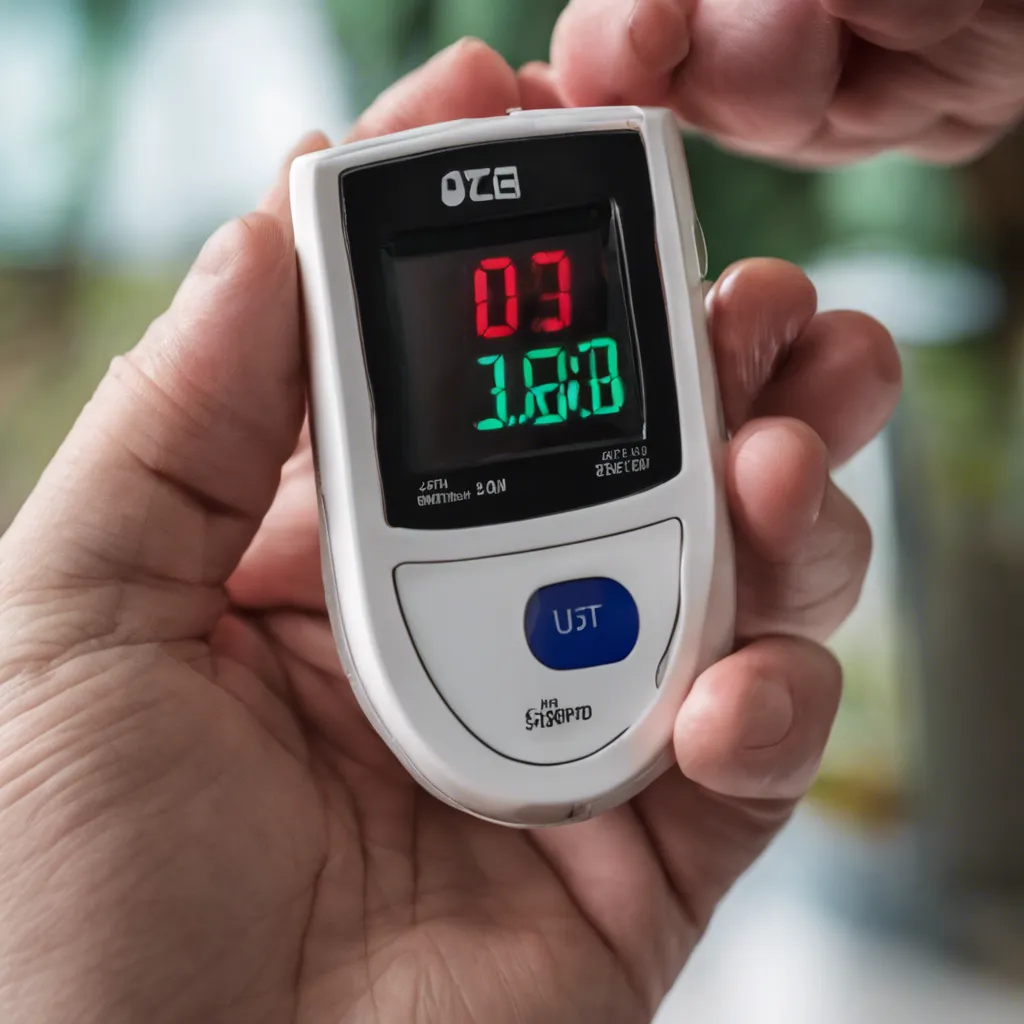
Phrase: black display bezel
(383, 202)
(499, 232)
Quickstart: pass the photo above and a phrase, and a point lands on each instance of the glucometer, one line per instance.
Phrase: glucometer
(519, 448)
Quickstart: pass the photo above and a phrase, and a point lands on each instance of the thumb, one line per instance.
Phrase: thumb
(162, 482)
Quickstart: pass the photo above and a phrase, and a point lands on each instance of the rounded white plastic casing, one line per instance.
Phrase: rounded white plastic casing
(429, 623)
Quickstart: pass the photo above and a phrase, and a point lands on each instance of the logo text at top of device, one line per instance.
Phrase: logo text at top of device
(481, 184)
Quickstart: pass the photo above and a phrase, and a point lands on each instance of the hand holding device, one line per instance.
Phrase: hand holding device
(187, 787)
(815, 82)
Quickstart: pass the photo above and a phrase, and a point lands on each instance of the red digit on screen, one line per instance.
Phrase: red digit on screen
(563, 297)
(481, 280)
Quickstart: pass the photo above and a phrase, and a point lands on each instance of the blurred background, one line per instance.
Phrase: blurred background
(130, 128)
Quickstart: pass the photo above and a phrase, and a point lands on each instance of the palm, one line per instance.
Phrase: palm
(416, 911)
(381, 898)
(381, 901)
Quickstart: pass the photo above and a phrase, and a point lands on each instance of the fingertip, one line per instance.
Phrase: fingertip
(777, 478)
(490, 74)
(580, 86)
(756, 311)
(751, 281)
(756, 724)
(467, 79)
(310, 142)
(276, 200)
(872, 344)
(472, 53)
(538, 87)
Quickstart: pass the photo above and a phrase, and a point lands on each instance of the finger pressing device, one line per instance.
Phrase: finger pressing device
(519, 448)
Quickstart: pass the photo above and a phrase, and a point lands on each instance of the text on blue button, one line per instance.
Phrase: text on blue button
(581, 623)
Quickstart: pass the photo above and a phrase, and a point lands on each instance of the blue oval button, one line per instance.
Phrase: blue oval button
(581, 623)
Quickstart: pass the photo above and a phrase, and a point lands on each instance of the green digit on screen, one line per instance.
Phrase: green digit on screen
(611, 378)
(497, 421)
(582, 347)
(537, 394)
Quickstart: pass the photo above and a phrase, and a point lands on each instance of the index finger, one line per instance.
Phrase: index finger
(468, 79)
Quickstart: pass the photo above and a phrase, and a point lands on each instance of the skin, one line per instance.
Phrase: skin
(198, 824)
(813, 82)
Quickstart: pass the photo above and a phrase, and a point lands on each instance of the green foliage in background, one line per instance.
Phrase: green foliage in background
(752, 209)
(56, 356)
(383, 39)
(892, 202)
(102, 33)
(105, 35)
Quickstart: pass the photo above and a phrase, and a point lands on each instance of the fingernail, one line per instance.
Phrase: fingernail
(770, 717)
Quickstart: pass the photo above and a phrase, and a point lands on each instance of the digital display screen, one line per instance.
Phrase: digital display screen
(513, 338)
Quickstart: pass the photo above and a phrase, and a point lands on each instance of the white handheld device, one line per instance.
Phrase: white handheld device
(519, 447)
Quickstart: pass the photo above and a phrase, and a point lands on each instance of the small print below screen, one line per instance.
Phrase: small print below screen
(512, 349)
